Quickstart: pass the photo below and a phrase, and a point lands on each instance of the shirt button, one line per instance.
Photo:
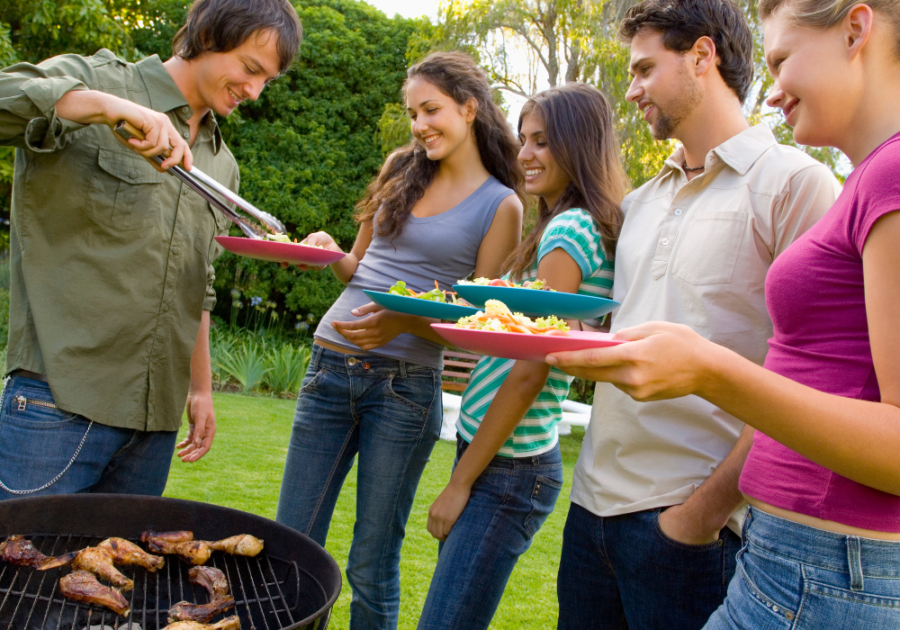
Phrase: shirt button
(185, 109)
(176, 251)
(186, 134)
(678, 212)
(132, 174)
(665, 241)
(165, 308)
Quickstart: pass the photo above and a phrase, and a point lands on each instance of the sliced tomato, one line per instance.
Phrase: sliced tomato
(498, 282)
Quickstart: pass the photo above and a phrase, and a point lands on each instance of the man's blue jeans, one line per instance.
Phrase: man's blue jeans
(389, 412)
(38, 443)
(795, 577)
(623, 572)
(510, 501)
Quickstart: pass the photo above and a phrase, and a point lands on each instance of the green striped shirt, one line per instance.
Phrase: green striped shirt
(575, 232)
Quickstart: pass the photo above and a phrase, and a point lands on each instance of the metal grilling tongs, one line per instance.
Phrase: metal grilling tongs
(215, 193)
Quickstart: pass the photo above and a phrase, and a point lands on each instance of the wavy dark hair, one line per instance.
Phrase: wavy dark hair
(683, 22)
(581, 136)
(389, 200)
(223, 25)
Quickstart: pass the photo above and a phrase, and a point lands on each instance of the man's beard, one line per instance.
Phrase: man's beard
(687, 100)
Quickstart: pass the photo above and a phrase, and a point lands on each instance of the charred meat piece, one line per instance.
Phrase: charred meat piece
(20, 551)
(126, 552)
(229, 623)
(212, 579)
(83, 586)
(240, 545)
(193, 551)
(100, 561)
(172, 537)
(186, 611)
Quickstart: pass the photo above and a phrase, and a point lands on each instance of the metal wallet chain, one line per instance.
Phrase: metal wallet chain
(57, 477)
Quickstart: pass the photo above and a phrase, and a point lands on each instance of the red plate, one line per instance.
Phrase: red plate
(520, 346)
(273, 251)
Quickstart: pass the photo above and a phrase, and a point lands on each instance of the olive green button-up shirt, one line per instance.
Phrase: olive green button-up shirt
(110, 260)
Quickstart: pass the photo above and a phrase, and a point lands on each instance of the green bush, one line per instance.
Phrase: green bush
(245, 363)
(287, 365)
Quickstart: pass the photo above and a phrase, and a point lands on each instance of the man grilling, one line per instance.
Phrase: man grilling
(110, 257)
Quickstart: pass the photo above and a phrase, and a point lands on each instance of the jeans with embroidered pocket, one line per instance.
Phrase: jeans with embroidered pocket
(795, 577)
(510, 501)
(387, 412)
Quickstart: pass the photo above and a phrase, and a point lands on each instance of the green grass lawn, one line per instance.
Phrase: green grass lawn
(244, 468)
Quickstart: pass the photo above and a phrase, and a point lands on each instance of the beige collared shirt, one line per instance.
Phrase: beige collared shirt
(695, 253)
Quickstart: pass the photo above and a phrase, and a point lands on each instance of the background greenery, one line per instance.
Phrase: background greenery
(249, 451)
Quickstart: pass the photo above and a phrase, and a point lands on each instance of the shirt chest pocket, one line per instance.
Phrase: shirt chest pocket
(124, 191)
(708, 251)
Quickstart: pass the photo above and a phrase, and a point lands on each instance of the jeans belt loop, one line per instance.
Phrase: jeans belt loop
(854, 563)
(402, 369)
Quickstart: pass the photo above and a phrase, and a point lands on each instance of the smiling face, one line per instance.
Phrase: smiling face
(225, 79)
(813, 87)
(662, 86)
(438, 122)
(544, 176)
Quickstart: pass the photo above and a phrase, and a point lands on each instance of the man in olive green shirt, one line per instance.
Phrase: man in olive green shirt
(111, 258)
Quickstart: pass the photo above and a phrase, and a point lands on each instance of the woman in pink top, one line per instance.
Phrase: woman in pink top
(822, 537)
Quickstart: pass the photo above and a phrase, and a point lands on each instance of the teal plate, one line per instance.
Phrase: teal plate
(536, 303)
(423, 308)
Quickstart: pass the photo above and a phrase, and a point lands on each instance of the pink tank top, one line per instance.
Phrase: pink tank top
(815, 295)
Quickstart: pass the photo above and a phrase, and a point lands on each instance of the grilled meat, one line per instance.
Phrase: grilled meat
(100, 561)
(240, 545)
(83, 586)
(21, 551)
(172, 537)
(193, 551)
(229, 623)
(212, 579)
(186, 611)
(126, 552)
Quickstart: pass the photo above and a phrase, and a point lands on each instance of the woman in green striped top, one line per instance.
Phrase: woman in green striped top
(508, 470)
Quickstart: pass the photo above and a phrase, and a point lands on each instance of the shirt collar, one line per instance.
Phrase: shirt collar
(165, 96)
(739, 152)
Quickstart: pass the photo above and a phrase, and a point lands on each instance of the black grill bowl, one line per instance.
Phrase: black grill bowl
(291, 585)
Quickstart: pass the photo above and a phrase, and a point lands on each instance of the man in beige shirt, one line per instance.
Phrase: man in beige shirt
(651, 536)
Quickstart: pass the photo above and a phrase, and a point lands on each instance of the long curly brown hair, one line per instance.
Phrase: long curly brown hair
(581, 135)
(408, 171)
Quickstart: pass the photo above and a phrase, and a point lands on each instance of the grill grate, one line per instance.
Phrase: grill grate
(268, 592)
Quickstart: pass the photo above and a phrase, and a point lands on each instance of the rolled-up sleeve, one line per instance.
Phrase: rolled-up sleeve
(28, 97)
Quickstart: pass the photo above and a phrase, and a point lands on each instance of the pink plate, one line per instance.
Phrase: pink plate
(519, 345)
(274, 251)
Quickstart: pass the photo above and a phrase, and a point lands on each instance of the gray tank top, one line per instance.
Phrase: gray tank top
(443, 248)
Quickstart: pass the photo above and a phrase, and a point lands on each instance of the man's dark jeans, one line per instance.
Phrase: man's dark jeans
(622, 572)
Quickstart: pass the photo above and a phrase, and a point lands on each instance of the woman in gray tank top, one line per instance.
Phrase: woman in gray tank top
(442, 207)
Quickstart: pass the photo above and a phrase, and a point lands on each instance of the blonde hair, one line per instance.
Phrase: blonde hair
(828, 13)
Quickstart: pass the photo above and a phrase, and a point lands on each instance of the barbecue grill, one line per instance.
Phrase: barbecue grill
(291, 585)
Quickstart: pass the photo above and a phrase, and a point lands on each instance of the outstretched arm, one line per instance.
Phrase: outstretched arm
(512, 401)
(857, 439)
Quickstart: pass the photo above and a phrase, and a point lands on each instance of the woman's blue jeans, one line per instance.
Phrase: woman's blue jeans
(510, 501)
(389, 412)
(38, 443)
(795, 577)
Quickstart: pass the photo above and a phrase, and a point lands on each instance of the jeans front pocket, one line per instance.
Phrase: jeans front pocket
(543, 499)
